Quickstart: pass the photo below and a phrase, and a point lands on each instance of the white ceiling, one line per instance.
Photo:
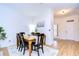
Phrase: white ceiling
(36, 9)
(71, 11)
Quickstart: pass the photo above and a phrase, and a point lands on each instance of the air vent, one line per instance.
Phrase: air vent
(70, 20)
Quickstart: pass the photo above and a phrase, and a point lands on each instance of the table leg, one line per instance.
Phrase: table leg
(30, 49)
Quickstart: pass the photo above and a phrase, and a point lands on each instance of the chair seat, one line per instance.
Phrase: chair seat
(33, 43)
(37, 45)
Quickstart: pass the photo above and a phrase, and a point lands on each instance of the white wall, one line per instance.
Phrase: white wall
(13, 21)
(47, 18)
(68, 30)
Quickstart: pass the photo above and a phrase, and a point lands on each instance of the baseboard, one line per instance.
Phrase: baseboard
(48, 45)
(67, 39)
(51, 46)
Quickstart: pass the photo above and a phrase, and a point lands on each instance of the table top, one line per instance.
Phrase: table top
(29, 37)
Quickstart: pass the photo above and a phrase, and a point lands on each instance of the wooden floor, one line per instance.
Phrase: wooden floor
(5, 51)
(68, 48)
(65, 47)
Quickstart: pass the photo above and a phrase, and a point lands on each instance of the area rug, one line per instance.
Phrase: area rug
(13, 51)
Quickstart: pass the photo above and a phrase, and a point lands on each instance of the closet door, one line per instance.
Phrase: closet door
(70, 30)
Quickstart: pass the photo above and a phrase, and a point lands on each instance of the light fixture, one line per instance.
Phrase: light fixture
(64, 11)
(32, 28)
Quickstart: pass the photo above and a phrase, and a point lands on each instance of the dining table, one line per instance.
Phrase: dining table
(29, 39)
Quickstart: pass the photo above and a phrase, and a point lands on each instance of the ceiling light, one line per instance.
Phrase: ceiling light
(64, 11)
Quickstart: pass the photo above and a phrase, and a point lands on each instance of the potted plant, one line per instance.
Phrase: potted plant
(2, 34)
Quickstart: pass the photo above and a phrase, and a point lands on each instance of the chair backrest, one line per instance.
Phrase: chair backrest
(22, 33)
(21, 39)
(33, 33)
(42, 38)
(38, 38)
(17, 37)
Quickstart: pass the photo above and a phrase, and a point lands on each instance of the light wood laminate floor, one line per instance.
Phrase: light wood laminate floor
(68, 48)
(5, 51)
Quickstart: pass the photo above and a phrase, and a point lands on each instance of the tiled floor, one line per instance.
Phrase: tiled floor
(47, 52)
(13, 51)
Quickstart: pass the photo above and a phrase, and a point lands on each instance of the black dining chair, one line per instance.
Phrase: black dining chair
(23, 44)
(22, 34)
(40, 42)
(18, 41)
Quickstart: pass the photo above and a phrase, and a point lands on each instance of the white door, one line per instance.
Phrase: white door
(69, 30)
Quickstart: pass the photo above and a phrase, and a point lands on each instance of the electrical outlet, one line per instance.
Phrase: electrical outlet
(9, 40)
(49, 30)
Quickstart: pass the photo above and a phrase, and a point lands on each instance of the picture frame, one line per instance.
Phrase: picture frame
(40, 24)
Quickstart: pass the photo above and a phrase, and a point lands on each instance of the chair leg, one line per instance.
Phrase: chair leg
(42, 50)
(38, 51)
(24, 51)
(19, 48)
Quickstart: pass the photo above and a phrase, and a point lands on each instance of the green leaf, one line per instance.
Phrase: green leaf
(2, 33)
